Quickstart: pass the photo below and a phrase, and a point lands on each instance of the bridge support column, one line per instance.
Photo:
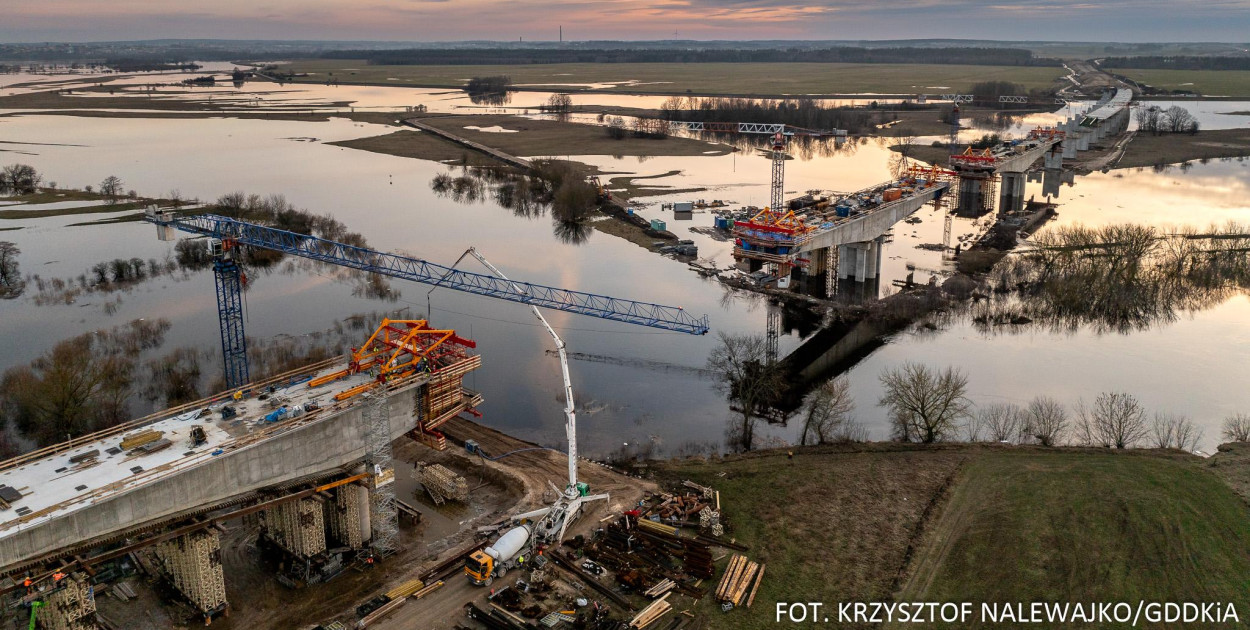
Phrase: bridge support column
(1082, 139)
(873, 258)
(971, 200)
(193, 564)
(846, 261)
(343, 516)
(861, 261)
(1053, 158)
(1011, 196)
(298, 527)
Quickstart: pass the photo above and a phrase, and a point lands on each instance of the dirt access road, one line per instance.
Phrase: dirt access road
(532, 467)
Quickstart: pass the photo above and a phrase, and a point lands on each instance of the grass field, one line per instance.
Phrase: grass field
(979, 523)
(1205, 82)
(702, 78)
(524, 137)
(1069, 527)
(830, 526)
(1150, 150)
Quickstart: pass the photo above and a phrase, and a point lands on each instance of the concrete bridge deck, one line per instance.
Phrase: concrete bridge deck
(91, 488)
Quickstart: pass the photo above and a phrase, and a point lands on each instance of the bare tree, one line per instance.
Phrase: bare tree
(1147, 119)
(1045, 420)
(1115, 419)
(743, 372)
(111, 187)
(560, 104)
(829, 413)
(1177, 119)
(11, 283)
(1174, 431)
(20, 179)
(925, 404)
(1004, 422)
(1237, 428)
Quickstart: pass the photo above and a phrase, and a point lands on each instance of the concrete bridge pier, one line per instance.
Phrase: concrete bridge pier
(193, 564)
(1054, 157)
(860, 261)
(971, 201)
(846, 261)
(1011, 196)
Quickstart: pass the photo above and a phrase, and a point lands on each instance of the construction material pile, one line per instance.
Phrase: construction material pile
(738, 585)
(677, 509)
(442, 483)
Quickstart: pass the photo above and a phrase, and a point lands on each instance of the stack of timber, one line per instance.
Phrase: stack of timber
(651, 613)
(442, 483)
(135, 440)
(742, 578)
(661, 587)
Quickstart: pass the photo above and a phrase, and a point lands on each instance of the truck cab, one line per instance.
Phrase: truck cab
(480, 568)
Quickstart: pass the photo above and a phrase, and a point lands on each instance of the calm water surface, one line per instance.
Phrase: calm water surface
(1197, 365)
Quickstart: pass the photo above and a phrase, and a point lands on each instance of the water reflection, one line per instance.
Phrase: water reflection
(1143, 277)
(549, 186)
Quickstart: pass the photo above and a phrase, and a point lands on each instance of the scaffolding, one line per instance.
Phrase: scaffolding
(343, 516)
(70, 606)
(298, 527)
(383, 516)
(193, 564)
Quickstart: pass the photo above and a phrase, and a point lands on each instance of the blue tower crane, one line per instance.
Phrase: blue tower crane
(232, 233)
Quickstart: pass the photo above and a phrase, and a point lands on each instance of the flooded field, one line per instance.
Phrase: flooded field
(645, 387)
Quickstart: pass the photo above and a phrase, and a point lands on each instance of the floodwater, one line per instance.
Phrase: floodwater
(644, 392)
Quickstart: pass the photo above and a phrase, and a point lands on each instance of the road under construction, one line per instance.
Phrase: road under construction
(310, 451)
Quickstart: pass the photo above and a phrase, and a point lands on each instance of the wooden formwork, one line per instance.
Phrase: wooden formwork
(193, 564)
(343, 516)
(298, 527)
(71, 606)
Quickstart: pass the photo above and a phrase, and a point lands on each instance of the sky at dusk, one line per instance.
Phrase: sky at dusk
(443, 20)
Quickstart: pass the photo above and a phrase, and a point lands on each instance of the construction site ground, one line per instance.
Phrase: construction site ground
(513, 484)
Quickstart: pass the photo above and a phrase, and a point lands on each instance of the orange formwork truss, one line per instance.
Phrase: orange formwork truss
(400, 348)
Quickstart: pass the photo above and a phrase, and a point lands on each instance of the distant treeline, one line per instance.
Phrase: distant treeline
(1179, 63)
(146, 65)
(797, 112)
(839, 54)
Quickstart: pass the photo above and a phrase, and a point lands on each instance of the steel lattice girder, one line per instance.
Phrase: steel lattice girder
(230, 314)
(417, 270)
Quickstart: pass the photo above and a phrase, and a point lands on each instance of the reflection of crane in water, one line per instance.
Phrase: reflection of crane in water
(645, 364)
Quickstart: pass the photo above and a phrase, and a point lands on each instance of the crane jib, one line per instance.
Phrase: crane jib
(418, 270)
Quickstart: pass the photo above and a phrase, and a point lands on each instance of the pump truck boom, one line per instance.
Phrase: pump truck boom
(546, 525)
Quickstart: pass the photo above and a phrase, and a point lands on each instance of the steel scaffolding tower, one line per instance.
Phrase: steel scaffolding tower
(383, 515)
(230, 311)
(777, 197)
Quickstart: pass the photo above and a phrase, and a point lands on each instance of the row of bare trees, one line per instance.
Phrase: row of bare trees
(928, 405)
(1175, 119)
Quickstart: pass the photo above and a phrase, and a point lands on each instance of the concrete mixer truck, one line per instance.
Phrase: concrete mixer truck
(511, 550)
